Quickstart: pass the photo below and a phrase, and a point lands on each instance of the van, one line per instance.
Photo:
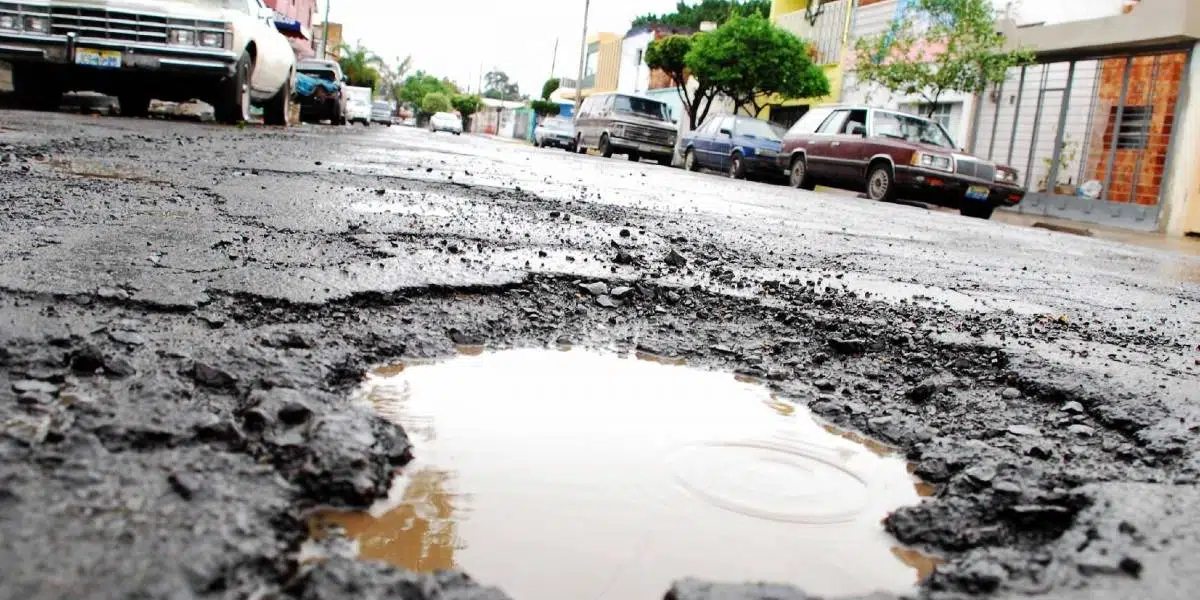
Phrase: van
(358, 104)
(635, 126)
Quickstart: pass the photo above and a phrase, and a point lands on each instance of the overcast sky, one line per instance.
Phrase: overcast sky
(453, 38)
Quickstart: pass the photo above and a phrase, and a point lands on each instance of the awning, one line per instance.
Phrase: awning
(291, 27)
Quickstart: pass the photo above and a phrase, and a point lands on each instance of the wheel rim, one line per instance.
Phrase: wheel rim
(604, 145)
(798, 173)
(878, 185)
(736, 167)
(691, 161)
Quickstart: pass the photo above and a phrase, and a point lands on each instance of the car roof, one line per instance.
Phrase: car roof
(638, 96)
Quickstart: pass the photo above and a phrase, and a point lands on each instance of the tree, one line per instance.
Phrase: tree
(466, 105)
(550, 87)
(360, 65)
(718, 11)
(545, 108)
(436, 102)
(420, 84)
(393, 76)
(669, 55)
(938, 46)
(498, 86)
(749, 59)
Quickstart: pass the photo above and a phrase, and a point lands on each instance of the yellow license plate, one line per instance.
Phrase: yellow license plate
(978, 192)
(101, 59)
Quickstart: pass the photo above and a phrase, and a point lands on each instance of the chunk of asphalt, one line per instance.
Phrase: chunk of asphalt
(675, 259)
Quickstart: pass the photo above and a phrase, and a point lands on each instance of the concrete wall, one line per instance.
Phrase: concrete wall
(1181, 207)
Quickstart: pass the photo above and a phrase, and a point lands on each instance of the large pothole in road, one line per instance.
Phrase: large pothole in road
(571, 474)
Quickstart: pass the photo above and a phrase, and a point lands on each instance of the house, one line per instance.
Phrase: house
(602, 67)
(331, 47)
(1105, 127)
(503, 118)
(825, 25)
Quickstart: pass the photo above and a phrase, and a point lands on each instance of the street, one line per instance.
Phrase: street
(186, 309)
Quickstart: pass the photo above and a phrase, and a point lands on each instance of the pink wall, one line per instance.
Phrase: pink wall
(301, 10)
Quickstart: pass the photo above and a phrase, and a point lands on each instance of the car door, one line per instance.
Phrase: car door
(583, 122)
(847, 150)
(818, 151)
(722, 144)
(702, 142)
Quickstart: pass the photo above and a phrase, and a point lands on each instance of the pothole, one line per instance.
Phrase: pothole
(572, 474)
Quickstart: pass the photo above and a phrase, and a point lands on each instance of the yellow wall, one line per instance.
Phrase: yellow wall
(783, 7)
(834, 72)
(608, 65)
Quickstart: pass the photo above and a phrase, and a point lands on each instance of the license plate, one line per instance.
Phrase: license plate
(101, 59)
(978, 192)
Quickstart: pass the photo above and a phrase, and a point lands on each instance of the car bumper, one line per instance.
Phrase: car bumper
(949, 188)
(22, 47)
(621, 145)
(763, 165)
(557, 141)
(447, 129)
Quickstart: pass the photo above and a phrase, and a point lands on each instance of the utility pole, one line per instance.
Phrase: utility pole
(587, 6)
(554, 61)
(325, 37)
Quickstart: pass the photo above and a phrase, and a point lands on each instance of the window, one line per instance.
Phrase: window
(639, 57)
(913, 129)
(759, 129)
(786, 116)
(1134, 128)
(641, 107)
(857, 117)
(709, 127)
(834, 123)
(810, 122)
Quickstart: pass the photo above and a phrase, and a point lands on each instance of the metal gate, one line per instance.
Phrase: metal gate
(1091, 138)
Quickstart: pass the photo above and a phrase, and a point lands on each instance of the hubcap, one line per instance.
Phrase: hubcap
(797, 173)
(879, 185)
(691, 161)
(735, 168)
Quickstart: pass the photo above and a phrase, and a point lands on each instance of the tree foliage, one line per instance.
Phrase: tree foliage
(749, 59)
(421, 84)
(360, 65)
(498, 86)
(436, 102)
(938, 46)
(669, 55)
(466, 104)
(550, 87)
(718, 11)
(545, 108)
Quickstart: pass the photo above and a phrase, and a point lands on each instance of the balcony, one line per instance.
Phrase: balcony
(827, 35)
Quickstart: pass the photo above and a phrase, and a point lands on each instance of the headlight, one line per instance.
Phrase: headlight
(933, 161)
(37, 24)
(9, 22)
(1006, 175)
(210, 39)
(182, 37)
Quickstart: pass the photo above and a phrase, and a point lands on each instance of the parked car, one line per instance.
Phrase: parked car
(227, 53)
(635, 126)
(741, 146)
(448, 122)
(555, 131)
(328, 103)
(358, 104)
(381, 113)
(891, 154)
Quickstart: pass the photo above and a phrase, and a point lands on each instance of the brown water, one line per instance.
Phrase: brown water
(573, 474)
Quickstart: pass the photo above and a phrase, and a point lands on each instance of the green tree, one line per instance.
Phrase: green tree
(718, 11)
(545, 108)
(550, 87)
(749, 59)
(436, 102)
(498, 86)
(466, 105)
(420, 84)
(360, 65)
(938, 46)
(669, 55)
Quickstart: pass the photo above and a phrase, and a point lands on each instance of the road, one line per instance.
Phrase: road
(184, 310)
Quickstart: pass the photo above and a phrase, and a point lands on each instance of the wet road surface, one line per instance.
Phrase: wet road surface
(187, 311)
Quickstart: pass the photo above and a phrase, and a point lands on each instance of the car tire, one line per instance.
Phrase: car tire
(798, 175)
(278, 109)
(134, 105)
(579, 147)
(977, 211)
(737, 166)
(634, 157)
(881, 185)
(605, 148)
(232, 105)
(689, 161)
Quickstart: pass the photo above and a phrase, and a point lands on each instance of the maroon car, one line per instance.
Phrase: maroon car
(890, 154)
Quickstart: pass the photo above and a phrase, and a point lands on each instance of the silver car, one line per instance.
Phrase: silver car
(558, 132)
(448, 122)
(381, 113)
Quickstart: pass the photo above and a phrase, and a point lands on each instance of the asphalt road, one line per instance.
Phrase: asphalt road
(185, 308)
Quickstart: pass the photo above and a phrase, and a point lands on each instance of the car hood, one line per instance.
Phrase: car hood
(180, 8)
(761, 143)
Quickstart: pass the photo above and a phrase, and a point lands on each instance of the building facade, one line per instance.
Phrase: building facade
(602, 66)
(295, 20)
(825, 25)
(332, 48)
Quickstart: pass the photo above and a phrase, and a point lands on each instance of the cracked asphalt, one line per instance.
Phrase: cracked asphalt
(185, 310)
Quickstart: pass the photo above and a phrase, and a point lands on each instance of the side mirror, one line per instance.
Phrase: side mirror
(859, 130)
(726, 131)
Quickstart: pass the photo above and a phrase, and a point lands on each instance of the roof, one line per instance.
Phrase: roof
(505, 104)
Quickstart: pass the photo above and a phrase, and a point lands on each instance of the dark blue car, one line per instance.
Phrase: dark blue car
(740, 146)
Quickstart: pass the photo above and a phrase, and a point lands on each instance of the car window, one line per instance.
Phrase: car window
(811, 120)
(642, 107)
(759, 129)
(856, 117)
(909, 128)
(833, 123)
(727, 123)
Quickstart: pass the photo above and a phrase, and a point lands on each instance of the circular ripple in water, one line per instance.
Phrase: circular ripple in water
(772, 480)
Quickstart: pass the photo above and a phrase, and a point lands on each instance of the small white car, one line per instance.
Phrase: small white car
(225, 52)
(448, 122)
(358, 104)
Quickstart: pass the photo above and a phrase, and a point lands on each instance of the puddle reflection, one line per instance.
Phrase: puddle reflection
(572, 474)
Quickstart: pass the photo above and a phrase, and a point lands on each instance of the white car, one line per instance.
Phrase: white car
(358, 104)
(448, 122)
(225, 52)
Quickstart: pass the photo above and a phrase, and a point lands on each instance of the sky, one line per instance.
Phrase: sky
(454, 38)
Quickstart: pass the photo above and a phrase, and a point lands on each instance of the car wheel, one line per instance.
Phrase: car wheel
(798, 175)
(634, 157)
(278, 109)
(134, 105)
(689, 160)
(737, 166)
(233, 100)
(579, 147)
(881, 185)
(977, 211)
(605, 148)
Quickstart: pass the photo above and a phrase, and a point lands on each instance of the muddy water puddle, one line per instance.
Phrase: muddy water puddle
(571, 474)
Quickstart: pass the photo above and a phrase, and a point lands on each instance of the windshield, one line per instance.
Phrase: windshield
(910, 129)
(760, 129)
(320, 74)
(444, 117)
(641, 107)
(381, 106)
(557, 124)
